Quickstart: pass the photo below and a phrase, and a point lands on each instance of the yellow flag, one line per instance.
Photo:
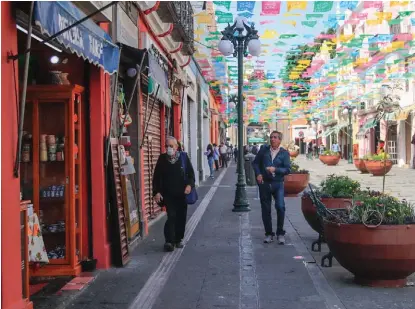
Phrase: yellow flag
(269, 34)
(373, 22)
(399, 3)
(296, 5)
(290, 22)
(397, 45)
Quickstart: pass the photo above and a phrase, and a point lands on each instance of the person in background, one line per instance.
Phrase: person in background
(335, 148)
(310, 151)
(381, 147)
(255, 149)
(223, 155)
(216, 156)
(170, 186)
(228, 154)
(271, 164)
(210, 154)
(322, 148)
(235, 153)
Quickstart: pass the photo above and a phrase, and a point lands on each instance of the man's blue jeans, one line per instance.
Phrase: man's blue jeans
(267, 190)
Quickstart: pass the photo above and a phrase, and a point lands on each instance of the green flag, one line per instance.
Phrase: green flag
(322, 6)
(226, 4)
(311, 16)
(309, 23)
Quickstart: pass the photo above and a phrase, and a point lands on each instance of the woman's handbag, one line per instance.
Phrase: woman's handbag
(192, 197)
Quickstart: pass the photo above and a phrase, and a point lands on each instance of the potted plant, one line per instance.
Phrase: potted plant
(293, 150)
(374, 240)
(296, 181)
(329, 157)
(335, 192)
(378, 164)
(360, 164)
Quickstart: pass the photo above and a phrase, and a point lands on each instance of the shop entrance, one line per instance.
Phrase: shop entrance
(151, 153)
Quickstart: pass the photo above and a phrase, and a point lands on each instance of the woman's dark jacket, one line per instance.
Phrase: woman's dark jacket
(168, 179)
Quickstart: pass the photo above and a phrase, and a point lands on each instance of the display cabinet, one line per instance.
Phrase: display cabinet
(51, 172)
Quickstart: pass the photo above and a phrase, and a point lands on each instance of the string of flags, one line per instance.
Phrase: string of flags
(316, 55)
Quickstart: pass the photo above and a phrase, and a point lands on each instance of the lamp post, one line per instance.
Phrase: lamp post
(316, 122)
(235, 41)
(349, 110)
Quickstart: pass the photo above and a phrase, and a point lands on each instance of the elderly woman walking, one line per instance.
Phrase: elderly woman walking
(171, 182)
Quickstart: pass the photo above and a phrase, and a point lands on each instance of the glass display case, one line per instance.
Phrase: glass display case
(51, 172)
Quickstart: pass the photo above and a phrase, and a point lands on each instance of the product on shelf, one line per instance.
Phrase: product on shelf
(57, 253)
(53, 192)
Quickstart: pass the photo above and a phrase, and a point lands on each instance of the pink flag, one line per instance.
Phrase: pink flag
(373, 4)
(403, 37)
(264, 22)
(270, 8)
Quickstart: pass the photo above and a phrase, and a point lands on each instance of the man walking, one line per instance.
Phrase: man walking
(224, 155)
(271, 164)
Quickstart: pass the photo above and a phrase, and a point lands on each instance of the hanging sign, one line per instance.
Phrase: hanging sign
(85, 39)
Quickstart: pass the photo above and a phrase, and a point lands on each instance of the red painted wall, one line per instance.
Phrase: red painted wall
(98, 96)
(11, 292)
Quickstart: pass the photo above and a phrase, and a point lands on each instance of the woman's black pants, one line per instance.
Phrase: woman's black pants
(175, 225)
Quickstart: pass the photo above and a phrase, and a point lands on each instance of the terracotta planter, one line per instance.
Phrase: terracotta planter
(378, 168)
(310, 211)
(293, 154)
(360, 165)
(295, 183)
(382, 257)
(330, 160)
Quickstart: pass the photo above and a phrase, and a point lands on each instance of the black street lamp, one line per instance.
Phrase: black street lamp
(350, 110)
(236, 42)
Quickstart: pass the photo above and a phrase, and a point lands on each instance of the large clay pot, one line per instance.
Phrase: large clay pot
(378, 168)
(360, 165)
(382, 256)
(330, 160)
(310, 211)
(295, 183)
(293, 154)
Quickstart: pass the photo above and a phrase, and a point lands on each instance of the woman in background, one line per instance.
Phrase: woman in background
(210, 157)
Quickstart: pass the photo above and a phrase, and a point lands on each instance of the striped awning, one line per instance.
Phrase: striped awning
(369, 124)
(340, 126)
(328, 132)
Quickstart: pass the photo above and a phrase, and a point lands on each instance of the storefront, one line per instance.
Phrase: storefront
(155, 100)
(63, 129)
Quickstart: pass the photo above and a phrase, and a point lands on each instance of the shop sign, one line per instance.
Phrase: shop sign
(126, 30)
(86, 39)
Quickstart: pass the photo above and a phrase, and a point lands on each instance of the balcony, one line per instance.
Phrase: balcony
(180, 13)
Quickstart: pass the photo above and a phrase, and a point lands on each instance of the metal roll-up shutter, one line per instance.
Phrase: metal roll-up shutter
(152, 150)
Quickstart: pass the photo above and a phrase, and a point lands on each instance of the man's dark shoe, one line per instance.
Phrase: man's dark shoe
(168, 247)
(180, 244)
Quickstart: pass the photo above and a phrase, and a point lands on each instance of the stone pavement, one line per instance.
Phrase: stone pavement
(225, 264)
(400, 182)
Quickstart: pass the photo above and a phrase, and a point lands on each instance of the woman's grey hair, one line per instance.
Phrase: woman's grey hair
(171, 138)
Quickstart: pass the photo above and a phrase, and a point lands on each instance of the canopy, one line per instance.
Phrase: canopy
(87, 39)
(369, 124)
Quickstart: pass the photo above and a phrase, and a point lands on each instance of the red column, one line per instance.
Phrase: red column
(101, 247)
(11, 292)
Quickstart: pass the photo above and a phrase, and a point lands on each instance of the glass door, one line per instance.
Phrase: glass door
(53, 179)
